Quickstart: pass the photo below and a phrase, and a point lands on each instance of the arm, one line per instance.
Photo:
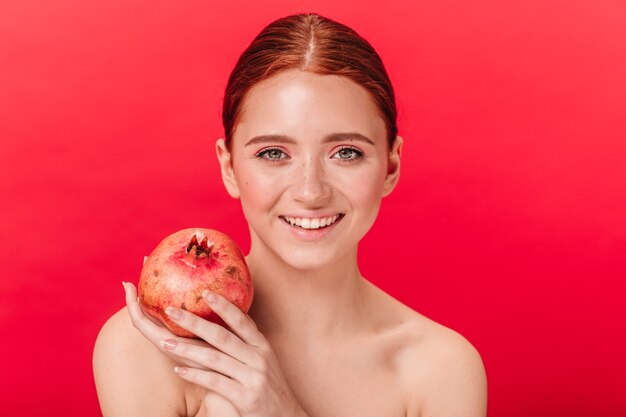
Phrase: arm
(132, 377)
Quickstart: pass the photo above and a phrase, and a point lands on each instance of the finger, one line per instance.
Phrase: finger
(210, 358)
(154, 320)
(215, 335)
(151, 331)
(222, 385)
(239, 322)
(137, 315)
(139, 319)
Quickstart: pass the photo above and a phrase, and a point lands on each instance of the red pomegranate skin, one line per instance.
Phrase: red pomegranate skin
(180, 268)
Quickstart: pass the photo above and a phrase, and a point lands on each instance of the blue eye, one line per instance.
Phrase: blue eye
(271, 154)
(348, 153)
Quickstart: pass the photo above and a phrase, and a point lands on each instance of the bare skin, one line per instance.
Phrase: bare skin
(407, 366)
(326, 341)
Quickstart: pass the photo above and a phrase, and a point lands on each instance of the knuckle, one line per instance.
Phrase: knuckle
(265, 352)
(252, 323)
(260, 362)
(250, 402)
(242, 322)
(257, 383)
(190, 323)
(263, 347)
(222, 336)
(214, 357)
(260, 381)
(182, 349)
(262, 365)
(213, 380)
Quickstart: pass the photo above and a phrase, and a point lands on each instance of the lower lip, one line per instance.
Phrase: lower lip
(311, 234)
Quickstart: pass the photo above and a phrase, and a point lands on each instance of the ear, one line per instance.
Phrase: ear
(226, 165)
(393, 167)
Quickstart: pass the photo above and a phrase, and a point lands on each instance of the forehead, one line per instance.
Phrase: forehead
(309, 106)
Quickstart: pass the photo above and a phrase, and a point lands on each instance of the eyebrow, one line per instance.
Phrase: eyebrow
(333, 137)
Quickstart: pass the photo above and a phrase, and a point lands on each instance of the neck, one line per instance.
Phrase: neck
(309, 305)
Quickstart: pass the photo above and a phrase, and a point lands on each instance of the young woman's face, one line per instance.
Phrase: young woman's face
(309, 149)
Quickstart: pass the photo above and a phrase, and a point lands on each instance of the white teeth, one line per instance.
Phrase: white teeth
(316, 223)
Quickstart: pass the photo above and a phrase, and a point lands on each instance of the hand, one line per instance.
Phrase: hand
(239, 365)
(153, 330)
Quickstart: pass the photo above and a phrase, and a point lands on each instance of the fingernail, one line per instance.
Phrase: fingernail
(209, 296)
(169, 344)
(180, 370)
(174, 313)
(124, 285)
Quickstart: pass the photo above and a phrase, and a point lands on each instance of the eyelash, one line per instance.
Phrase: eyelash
(266, 151)
(357, 152)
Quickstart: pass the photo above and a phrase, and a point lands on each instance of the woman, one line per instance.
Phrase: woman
(310, 149)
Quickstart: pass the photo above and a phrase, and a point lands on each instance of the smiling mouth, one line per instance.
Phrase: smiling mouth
(312, 225)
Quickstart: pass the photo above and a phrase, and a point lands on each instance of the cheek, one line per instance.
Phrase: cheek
(257, 189)
(364, 186)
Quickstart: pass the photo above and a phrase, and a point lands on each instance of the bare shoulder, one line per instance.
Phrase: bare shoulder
(132, 376)
(441, 371)
(444, 371)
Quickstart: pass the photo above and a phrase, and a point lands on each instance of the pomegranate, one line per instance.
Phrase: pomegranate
(185, 264)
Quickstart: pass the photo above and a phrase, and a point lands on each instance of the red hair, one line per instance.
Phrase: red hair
(309, 42)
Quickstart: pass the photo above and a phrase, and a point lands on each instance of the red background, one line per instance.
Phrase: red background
(508, 224)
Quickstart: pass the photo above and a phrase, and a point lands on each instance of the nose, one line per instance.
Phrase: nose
(310, 185)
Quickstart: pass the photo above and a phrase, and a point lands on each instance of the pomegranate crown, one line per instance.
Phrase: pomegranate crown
(202, 249)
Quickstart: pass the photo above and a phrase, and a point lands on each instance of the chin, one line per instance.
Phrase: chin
(311, 260)
(305, 265)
